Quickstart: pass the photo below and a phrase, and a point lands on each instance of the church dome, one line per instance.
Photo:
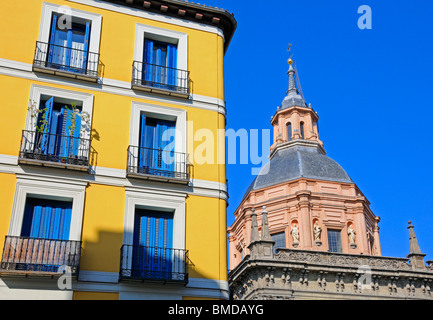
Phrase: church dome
(298, 162)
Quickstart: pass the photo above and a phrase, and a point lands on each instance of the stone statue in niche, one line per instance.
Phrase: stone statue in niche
(317, 231)
(352, 236)
(294, 231)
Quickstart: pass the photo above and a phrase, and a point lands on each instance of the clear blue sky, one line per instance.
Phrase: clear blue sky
(373, 91)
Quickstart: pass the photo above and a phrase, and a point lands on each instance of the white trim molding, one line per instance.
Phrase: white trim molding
(117, 177)
(48, 188)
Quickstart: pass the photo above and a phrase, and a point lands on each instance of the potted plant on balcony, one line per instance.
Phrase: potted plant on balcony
(36, 138)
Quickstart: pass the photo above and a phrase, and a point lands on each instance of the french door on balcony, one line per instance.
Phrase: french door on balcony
(60, 127)
(160, 63)
(68, 48)
(45, 231)
(152, 256)
(157, 141)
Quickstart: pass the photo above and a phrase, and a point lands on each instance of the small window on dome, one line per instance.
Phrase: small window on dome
(289, 131)
(302, 130)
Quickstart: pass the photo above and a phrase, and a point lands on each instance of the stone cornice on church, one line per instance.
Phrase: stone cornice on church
(294, 274)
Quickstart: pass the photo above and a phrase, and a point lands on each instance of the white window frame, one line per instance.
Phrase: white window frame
(37, 91)
(48, 189)
(144, 199)
(45, 27)
(158, 112)
(164, 35)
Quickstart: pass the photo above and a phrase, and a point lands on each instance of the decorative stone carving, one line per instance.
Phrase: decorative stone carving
(352, 236)
(294, 231)
(317, 231)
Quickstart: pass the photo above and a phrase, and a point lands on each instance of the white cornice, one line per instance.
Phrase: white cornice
(151, 16)
(113, 177)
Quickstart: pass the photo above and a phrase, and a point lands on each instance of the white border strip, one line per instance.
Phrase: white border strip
(111, 86)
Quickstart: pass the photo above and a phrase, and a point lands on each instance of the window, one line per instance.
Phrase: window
(161, 61)
(46, 225)
(154, 237)
(59, 128)
(68, 42)
(334, 240)
(280, 240)
(302, 130)
(289, 131)
(157, 143)
(68, 48)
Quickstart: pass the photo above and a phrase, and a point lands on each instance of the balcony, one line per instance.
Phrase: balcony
(153, 264)
(54, 150)
(66, 62)
(160, 79)
(33, 256)
(158, 165)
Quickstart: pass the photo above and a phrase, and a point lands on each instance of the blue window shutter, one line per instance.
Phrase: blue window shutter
(55, 230)
(172, 64)
(66, 223)
(52, 38)
(142, 152)
(65, 140)
(53, 140)
(47, 116)
(36, 223)
(76, 135)
(148, 59)
(86, 45)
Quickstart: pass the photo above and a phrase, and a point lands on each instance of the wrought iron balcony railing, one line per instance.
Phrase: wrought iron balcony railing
(66, 61)
(141, 263)
(158, 164)
(54, 150)
(35, 255)
(160, 79)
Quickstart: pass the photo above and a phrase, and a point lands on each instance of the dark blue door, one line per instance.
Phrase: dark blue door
(153, 240)
(157, 141)
(47, 222)
(160, 64)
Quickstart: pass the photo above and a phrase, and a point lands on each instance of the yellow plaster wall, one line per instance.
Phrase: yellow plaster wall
(7, 191)
(206, 236)
(117, 43)
(102, 234)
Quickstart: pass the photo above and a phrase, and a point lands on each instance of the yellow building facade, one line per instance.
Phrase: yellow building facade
(110, 186)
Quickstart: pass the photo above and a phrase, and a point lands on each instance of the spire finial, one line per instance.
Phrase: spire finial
(290, 61)
(265, 226)
(416, 256)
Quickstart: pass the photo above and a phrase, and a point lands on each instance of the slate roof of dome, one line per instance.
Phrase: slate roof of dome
(298, 162)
